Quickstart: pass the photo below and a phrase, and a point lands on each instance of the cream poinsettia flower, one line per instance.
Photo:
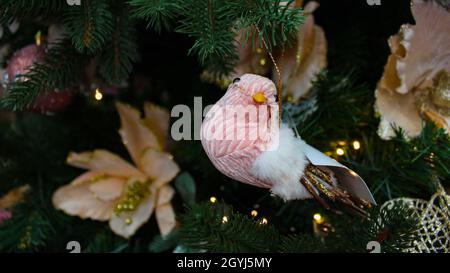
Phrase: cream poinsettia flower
(114, 190)
(301, 63)
(251, 59)
(416, 81)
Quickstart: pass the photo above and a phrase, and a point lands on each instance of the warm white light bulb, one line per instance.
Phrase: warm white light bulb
(356, 145)
(98, 94)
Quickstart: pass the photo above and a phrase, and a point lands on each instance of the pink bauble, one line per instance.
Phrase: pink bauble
(23, 59)
(52, 102)
(5, 215)
(20, 63)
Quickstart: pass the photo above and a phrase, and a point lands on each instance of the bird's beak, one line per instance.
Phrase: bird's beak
(259, 97)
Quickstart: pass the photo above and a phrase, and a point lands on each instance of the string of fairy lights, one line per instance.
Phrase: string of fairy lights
(321, 226)
(253, 213)
(341, 147)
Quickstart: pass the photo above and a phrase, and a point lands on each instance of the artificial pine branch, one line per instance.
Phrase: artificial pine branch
(401, 167)
(61, 67)
(106, 241)
(394, 229)
(89, 25)
(164, 243)
(158, 13)
(116, 60)
(303, 243)
(277, 22)
(26, 9)
(214, 25)
(28, 229)
(337, 98)
(210, 22)
(204, 228)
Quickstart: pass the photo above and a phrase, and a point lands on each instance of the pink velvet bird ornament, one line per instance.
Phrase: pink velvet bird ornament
(242, 136)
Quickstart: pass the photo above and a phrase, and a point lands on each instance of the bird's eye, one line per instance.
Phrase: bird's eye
(276, 98)
(236, 80)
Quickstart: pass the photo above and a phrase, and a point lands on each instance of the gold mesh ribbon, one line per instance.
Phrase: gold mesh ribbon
(434, 230)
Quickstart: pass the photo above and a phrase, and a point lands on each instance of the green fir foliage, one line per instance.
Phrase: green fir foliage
(217, 228)
(158, 13)
(120, 51)
(27, 9)
(214, 25)
(89, 25)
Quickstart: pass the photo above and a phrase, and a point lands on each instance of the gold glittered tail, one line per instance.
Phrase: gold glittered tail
(320, 183)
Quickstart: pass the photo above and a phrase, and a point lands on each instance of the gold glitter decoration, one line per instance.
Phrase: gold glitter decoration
(438, 96)
(97, 178)
(434, 103)
(321, 187)
(24, 242)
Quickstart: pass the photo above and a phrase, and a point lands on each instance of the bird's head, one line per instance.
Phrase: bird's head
(254, 89)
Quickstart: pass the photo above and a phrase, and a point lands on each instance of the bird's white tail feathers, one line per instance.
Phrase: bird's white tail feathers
(284, 166)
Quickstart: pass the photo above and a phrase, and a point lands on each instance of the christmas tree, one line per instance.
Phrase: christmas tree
(102, 101)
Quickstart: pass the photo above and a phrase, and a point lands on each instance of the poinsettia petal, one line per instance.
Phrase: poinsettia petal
(311, 47)
(135, 134)
(165, 217)
(159, 166)
(103, 161)
(390, 79)
(108, 188)
(424, 60)
(397, 109)
(14, 197)
(77, 199)
(91, 176)
(157, 119)
(165, 195)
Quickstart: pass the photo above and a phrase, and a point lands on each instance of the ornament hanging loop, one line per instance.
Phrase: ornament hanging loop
(279, 84)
